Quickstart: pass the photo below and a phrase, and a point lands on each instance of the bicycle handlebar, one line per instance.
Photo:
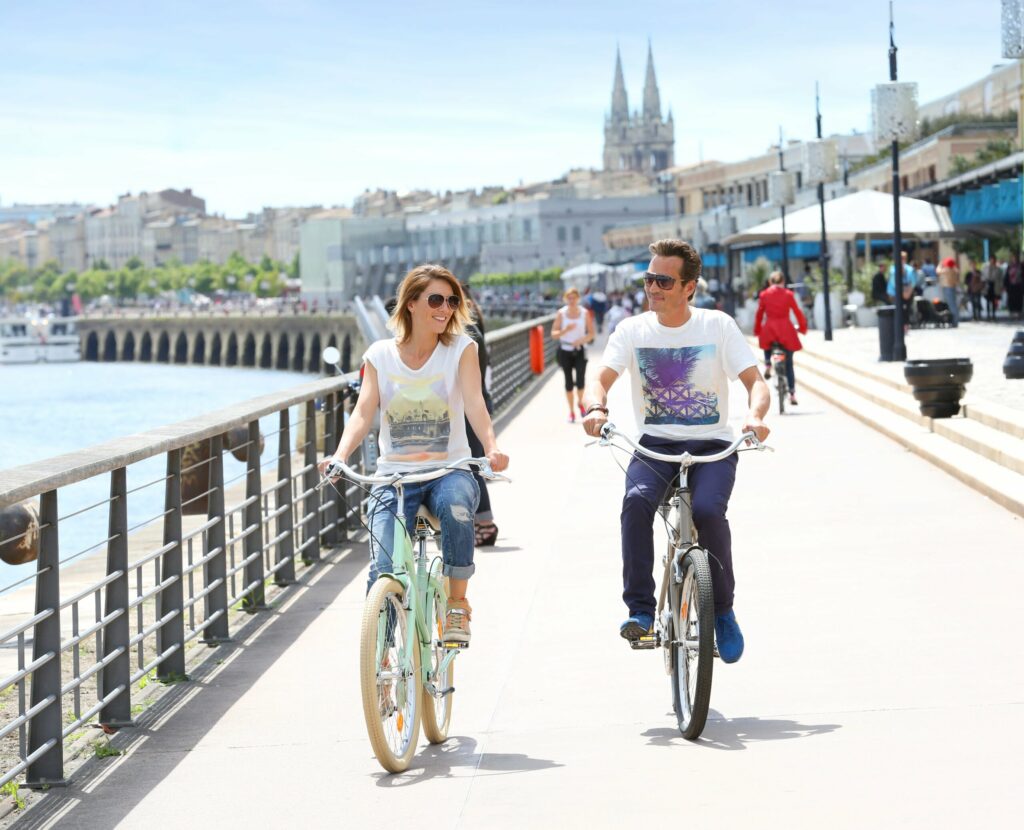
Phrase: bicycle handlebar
(338, 468)
(608, 431)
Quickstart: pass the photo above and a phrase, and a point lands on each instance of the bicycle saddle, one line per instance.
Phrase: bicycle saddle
(432, 520)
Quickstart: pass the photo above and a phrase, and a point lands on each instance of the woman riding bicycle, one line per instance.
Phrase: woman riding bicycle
(425, 381)
(772, 325)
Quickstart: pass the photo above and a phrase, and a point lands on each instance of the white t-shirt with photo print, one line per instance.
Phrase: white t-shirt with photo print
(680, 375)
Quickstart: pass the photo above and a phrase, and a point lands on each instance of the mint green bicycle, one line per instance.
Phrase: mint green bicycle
(406, 669)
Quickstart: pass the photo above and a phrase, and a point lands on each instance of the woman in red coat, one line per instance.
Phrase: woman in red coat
(773, 325)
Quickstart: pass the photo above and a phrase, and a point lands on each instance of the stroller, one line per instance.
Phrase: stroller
(931, 312)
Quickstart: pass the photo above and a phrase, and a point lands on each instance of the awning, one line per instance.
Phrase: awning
(861, 214)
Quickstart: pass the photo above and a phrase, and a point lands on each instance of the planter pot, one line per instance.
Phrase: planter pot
(938, 385)
(867, 318)
(1018, 337)
(1013, 367)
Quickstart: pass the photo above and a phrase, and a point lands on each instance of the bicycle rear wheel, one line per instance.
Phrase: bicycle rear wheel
(782, 387)
(390, 684)
(437, 711)
(693, 643)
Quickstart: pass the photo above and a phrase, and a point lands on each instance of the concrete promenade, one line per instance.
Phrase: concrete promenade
(882, 686)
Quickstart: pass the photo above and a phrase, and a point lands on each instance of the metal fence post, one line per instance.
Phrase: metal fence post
(285, 575)
(117, 673)
(330, 537)
(253, 545)
(216, 539)
(310, 511)
(340, 494)
(171, 599)
(45, 728)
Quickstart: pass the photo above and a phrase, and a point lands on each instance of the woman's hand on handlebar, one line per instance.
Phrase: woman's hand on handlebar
(498, 459)
(323, 465)
(756, 426)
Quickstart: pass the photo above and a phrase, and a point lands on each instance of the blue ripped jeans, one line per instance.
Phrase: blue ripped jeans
(453, 498)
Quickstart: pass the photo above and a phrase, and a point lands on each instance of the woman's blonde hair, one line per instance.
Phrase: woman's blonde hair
(412, 287)
(776, 278)
(570, 290)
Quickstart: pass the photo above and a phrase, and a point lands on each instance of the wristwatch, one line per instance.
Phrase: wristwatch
(595, 407)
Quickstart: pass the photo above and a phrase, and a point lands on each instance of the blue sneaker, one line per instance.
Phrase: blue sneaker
(636, 626)
(728, 637)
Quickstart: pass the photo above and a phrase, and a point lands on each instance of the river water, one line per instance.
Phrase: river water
(50, 409)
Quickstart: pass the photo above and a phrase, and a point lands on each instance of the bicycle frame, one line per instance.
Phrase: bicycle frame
(681, 534)
(420, 584)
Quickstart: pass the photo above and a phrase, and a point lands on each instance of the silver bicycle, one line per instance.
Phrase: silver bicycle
(684, 625)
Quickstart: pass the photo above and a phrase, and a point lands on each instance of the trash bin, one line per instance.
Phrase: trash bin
(886, 332)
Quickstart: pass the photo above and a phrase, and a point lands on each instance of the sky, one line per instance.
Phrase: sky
(267, 103)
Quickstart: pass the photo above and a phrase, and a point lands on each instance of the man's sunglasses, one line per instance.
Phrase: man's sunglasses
(664, 283)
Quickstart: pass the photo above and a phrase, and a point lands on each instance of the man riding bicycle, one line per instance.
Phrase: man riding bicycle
(681, 360)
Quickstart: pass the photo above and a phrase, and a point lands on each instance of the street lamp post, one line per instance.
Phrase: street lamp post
(666, 184)
(781, 187)
(819, 167)
(895, 118)
(1013, 47)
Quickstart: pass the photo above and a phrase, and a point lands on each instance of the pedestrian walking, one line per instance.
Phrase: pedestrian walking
(949, 280)
(573, 328)
(992, 277)
(878, 285)
(975, 288)
(1014, 286)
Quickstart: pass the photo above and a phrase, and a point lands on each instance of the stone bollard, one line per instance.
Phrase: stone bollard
(1013, 366)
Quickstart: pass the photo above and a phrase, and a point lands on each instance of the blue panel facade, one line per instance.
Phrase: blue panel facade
(994, 204)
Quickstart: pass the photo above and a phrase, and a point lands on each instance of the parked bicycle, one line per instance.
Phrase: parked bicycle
(684, 624)
(406, 669)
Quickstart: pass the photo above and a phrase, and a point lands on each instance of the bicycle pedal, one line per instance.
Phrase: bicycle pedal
(455, 645)
(645, 642)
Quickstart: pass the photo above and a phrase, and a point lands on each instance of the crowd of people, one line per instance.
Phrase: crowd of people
(981, 291)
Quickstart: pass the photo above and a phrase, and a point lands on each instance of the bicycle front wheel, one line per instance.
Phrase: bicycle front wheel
(693, 643)
(389, 680)
(437, 708)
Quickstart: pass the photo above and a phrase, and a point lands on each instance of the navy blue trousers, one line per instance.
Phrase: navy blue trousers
(647, 481)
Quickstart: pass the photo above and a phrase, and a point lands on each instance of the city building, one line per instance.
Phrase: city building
(642, 142)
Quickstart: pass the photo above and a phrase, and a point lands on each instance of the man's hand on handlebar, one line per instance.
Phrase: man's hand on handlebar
(756, 426)
(593, 421)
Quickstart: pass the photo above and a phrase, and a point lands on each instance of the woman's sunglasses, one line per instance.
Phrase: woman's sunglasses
(438, 300)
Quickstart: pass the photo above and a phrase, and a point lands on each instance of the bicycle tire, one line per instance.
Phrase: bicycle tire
(692, 656)
(437, 712)
(781, 385)
(393, 734)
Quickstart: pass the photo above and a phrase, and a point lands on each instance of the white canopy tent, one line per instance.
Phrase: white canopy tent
(866, 213)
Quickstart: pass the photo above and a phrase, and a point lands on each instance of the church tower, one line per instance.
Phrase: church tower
(643, 141)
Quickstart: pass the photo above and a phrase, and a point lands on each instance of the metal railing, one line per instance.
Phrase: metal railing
(84, 640)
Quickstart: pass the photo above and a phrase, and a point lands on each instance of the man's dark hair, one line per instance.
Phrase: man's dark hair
(684, 250)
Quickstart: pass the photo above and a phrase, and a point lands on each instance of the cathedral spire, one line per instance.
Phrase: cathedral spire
(620, 104)
(652, 101)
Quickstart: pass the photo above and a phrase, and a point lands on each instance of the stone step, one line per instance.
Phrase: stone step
(1001, 484)
(994, 415)
(998, 446)
(872, 388)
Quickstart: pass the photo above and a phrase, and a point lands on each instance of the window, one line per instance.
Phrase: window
(527, 230)
(576, 233)
(561, 233)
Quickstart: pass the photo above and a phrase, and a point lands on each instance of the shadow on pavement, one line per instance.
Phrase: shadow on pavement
(441, 760)
(102, 794)
(735, 733)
